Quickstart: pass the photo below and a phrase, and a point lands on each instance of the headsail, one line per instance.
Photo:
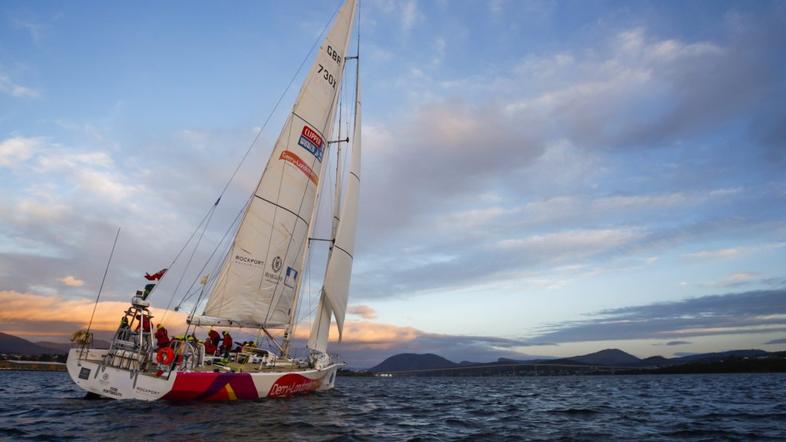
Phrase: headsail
(335, 290)
(258, 278)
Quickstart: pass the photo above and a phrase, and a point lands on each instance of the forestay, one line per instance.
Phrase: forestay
(258, 278)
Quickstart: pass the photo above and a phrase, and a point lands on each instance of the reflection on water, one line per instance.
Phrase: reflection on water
(48, 406)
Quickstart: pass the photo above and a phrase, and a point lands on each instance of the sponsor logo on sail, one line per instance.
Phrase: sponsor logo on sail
(248, 260)
(276, 264)
(312, 142)
(291, 278)
(292, 158)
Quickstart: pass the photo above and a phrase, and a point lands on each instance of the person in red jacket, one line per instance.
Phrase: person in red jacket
(226, 345)
(144, 322)
(213, 335)
(162, 336)
(210, 348)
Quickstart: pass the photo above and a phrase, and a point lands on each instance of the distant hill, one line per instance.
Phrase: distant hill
(609, 356)
(510, 361)
(413, 361)
(10, 344)
(55, 347)
(612, 358)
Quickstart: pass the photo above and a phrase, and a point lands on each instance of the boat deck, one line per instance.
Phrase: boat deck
(146, 365)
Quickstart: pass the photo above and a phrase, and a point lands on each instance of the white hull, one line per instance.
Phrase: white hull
(117, 383)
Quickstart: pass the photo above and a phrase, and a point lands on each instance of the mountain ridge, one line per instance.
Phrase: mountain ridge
(413, 361)
(11, 344)
(610, 357)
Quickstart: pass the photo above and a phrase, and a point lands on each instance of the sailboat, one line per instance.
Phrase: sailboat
(259, 281)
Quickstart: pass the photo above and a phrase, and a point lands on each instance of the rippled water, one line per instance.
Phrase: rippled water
(47, 406)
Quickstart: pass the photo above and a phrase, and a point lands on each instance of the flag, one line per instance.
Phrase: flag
(148, 289)
(155, 276)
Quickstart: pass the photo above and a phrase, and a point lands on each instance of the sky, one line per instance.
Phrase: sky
(540, 178)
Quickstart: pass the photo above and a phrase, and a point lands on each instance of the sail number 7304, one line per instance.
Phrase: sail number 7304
(325, 74)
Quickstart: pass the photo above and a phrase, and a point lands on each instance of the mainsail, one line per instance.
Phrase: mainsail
(335, 290)
(257, 282)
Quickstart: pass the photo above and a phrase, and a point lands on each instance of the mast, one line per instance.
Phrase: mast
(337, 199)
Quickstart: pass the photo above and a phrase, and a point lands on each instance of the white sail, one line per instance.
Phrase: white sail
(258, 278)
(335, 290)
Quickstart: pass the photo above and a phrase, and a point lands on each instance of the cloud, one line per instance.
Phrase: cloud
(365, 343)
(363, 311)
(71, 281)
(583, 241)
(406, 11)
(7, 86)
(64, 202)
(635, 77)
(30, 314)
(16, 150)
(409, 14)
(740, 279)
(728, 314)
(637, 175)
(672, 343)
(714, 254)
(37, 31)
(776, 341)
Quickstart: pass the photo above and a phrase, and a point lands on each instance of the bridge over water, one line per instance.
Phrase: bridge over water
(514, 369)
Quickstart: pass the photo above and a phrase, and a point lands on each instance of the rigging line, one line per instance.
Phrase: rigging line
(188, 295)
(307, 276)
(177, 256)
(190, 258)
(101, 287)
(193, 312)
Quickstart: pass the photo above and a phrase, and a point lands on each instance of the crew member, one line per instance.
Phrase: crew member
(226, 345)
(213, 335)
(144, 322)
(210, 348)
(124, 331)
(162, 336)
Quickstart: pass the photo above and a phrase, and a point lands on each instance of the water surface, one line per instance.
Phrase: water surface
(47, 406)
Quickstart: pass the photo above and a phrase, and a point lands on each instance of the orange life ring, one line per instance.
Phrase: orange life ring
(165, 355)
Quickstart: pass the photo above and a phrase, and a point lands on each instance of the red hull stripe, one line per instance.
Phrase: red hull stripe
(212, 387)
